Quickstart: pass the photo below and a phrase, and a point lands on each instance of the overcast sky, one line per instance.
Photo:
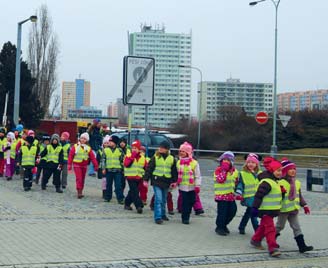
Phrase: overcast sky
(230, 38)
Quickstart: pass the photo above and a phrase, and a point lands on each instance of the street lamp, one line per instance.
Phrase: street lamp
(274, 145)
(199, 102)
(17, 72)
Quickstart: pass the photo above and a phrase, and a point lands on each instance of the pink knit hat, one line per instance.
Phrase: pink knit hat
(287, 165)
(186, 147)
(30, 132)
(253, 157)
(65, 135)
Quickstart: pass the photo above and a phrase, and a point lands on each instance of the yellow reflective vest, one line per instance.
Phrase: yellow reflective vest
(290, 205)
(3, 143)
(28, 155)
(81, 154)
(53, 154)
(65, 151)
(13, 149)
(163, 166)
(137, 169)
(228, 186)
(113, 158)
(250, 182)
(272, 201)
(185, 175)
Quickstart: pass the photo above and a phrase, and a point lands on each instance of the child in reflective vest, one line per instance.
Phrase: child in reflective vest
(64, 140)
(79, 156)
(225, 180)
(28, 155)
(291, 204)
(134, 170)
(143, 185)
(10, 153)
(267, 205)
(3, 142)
(102, 165)
(246, 188)
(113, 162)
(189, 180)
(41, 163)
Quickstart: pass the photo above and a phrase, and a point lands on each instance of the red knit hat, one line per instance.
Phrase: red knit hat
(271, 164)
(136, 144)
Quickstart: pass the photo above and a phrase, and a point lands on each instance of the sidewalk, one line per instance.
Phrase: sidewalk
(42, 227)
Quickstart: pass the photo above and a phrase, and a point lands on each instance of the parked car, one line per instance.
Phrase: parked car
(152, 141)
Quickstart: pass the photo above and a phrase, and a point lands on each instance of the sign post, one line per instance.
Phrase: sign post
(262, 118)
(138, 85)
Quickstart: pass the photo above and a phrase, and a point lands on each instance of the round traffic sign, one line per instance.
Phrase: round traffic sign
(261, 118)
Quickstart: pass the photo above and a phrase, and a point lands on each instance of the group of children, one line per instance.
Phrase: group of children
(274, 192)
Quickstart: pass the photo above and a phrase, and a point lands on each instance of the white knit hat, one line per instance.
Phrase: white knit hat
(106, 139)
(85, 135)
(11, 135)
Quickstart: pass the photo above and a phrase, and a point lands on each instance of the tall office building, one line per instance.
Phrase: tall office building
(172, 84)
(303, 100)
(252, 97)
(75, 95)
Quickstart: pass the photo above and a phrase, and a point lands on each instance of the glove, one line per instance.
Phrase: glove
(69, 167)
(307, 210)
(255, 212)
(145, 183)
(197, 189)
(283, 189)
(239, 197)
(134, 154)
(173, 185)
(104, 171)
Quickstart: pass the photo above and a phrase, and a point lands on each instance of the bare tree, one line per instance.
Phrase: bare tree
(43, 51)
(54, 106)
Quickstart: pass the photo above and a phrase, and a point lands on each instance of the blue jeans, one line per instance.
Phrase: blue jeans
(116, 178)
(245, 219)
(160, 202)
(91, 167)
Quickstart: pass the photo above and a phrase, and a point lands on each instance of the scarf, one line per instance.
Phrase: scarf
(81, 146)
(185, 162)
(221, 172)
(292, 192)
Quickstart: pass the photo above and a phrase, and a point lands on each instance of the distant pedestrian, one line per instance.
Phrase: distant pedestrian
(95, 141)
(225, 179)
(246, 188)
(64, 141)
(79, 157)
(162, 172)
(134, 170)
(101, 175)
(189, 180)
(126, 149)
(267, 205)
(291, 204)
(143, 185)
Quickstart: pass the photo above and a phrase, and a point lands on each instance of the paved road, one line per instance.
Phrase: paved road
(46, 229)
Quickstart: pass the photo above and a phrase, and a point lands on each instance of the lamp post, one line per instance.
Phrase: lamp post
(274, 128)
(199, 102)
(17, 71)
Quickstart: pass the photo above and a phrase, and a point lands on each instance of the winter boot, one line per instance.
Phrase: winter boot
(302, 247)
(79, 194)
(58, 190)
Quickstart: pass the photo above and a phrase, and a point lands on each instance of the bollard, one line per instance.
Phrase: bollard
(325, 182)
(309, 180)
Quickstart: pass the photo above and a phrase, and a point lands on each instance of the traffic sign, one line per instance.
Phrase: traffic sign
(139, 80)
(261, 118)
(284, 119)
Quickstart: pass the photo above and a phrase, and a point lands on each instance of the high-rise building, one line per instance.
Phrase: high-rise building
(172, 84)
(252, 97)
(112, 109)
(303, 100)
(75, 95)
